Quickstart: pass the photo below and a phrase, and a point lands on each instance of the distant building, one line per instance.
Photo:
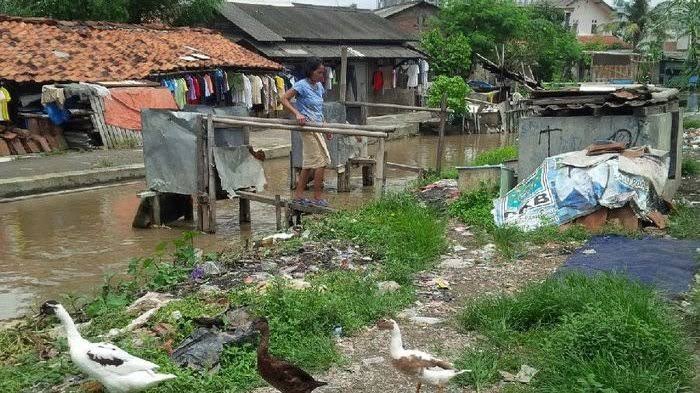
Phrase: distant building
(412, 17)
(391, 3)
(584, 17)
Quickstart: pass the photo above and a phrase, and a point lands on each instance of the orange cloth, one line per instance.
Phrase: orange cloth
(123, 105)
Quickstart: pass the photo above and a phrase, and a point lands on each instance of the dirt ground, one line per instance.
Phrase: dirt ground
(470, 271)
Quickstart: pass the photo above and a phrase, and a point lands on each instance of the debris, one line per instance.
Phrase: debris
(441, 283)
(176, 315)
(418, 320)
(589, 251)
(525, 374)
(202, 349)
(574, 184)
(211, 268)
(299, 284)
(440, 193)
(272, 239)
(209, 289)
(372, 361)
(388, 287)
(456, 263)
(337, 331)
(459, 248)
(153, 299)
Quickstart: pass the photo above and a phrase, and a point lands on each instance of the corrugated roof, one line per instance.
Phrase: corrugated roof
(317, 23)
(395, 9)
(46, 50)
(619, 97)
(326, 51)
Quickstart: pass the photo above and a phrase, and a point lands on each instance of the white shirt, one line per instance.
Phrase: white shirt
(247, 92)
(413, 71)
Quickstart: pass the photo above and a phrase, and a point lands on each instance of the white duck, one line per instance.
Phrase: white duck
(417, 364)
(118, 371)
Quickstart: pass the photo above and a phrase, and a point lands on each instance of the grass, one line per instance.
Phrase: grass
(407, 236)
(474, 209)
(690, 167)
(496, 156)
(691, 123)
(397, 229)
(685, 222)
(603, 334)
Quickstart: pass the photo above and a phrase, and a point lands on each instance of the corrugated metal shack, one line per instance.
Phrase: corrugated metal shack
(572, 119)
(291, 34)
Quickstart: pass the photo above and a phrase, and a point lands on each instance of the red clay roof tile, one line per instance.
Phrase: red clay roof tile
(46, 50)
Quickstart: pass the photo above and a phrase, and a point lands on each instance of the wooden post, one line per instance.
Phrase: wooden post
(343, 74)
(243, 211)
(441, 135)
(278, 212)
(379, 170)
(344, 179)
(212, 173)
(201, 195)
(155, 200)
(367, 175)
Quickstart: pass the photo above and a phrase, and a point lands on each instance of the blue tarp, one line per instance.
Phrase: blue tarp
(668, 264)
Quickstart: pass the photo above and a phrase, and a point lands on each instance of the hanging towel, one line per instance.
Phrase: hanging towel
(377, 81)
(123, 106)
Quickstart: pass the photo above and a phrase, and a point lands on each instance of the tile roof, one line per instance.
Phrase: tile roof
(607, 40)
(46, 50)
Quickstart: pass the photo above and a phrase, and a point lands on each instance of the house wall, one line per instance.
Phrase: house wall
(542, 137)
(414, 20)
(584, 12)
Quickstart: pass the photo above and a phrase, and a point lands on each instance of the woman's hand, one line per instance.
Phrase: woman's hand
(301, 119)
(329, 136)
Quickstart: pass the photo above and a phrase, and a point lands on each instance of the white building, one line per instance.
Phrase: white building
(585, 17)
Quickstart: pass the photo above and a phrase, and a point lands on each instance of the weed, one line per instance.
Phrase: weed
(153, 273)
(685, 222)
(690, 167)
(588, 334)
(104, 163)
(474, 208)
(496, 156)
(397, 228)
(691, 123)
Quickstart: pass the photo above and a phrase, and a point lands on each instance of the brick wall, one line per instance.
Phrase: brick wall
(415, 19)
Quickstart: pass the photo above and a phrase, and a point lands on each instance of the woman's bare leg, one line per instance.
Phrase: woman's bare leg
(318, 182)
(301, 183)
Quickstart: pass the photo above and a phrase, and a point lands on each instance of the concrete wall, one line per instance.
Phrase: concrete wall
(541, 137)
(585, 12)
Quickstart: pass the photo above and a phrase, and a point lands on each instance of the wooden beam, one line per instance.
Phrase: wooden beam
(343, 74)
(396, 106)
(343, 126)
(353, 132)
(211, 169)
(278, 212)
(441, 133)
(311, 209)
(379, 168)
(404, 167)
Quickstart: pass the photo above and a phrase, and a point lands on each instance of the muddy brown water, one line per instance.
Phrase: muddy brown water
(53, 245)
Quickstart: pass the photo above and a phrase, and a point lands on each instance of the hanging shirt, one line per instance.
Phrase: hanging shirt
(280, 90)
(413, 71)
(393, 78)
(309, 99)
(4, 99)
(377, 81)
(424, 68)
(247, 92)
(330, 75)
(256, 85)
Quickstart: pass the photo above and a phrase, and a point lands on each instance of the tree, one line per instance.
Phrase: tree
(449, 55)
(178, 12)
(456, 90)
(682, 17)
(633, 27)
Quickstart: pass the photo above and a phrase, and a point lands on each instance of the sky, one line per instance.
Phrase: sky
(373, 3)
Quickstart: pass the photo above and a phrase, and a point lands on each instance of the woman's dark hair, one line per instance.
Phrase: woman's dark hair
(311, 65)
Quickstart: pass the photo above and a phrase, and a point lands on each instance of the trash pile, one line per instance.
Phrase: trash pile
(691, 138)
(604, 181)
(18, 141)
(440, 193)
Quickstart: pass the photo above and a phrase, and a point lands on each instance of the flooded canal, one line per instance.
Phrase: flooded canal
(61, 244)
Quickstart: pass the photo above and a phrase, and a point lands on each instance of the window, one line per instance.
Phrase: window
(567, 19)
(594, 26)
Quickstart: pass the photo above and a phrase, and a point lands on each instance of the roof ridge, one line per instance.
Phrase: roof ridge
(101, 25)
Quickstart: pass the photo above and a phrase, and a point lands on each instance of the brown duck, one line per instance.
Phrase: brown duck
(282, 375)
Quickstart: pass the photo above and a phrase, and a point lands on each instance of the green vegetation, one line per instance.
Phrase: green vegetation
(496, 156)
(450, 55)
(603, 334)
(456, 90)
(131, 11)
(691, 123)
(685, 222)
(474, 209)
(690, 167)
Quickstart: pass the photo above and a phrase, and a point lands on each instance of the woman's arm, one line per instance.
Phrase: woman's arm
(288, 95)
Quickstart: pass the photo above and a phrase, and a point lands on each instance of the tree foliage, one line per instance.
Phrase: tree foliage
(682, 18)
(177, 12)
(449, 55)
(533, 36)
(456, 90)
(634, 26)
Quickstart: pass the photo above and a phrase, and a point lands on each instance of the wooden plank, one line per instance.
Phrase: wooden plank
(244, 211)
(278, 212)
(362, 161)
(343, 184)
(396, 106)
(342, 96)
(260, 124)
(156, 210)
(255, 197)
(345, 126)
(201, 197)
(404, 167)
(441, 134)
(211, 169)
(379, 168)
(98, 122)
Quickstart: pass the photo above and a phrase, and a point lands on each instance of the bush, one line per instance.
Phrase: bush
(474, 208)
(496, 156)
(691, 123)
(685, 222)
(456, 89)
(588, 334)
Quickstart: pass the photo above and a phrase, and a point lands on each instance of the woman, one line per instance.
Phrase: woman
(309, 107)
